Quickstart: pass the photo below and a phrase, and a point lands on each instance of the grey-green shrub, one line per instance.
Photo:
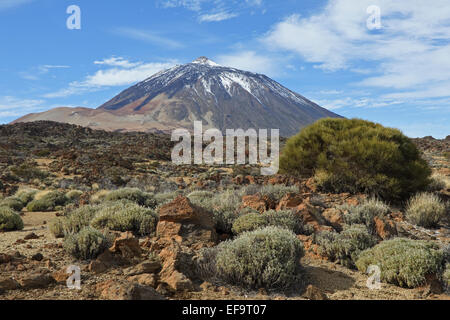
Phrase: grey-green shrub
(265, 258)
(86, 244)
(345, 247)
(73, 221)
(166, 197)
(74, 195)
(224, 207)
(125, 216)
(10, 220)
(26, 195)
(12, 202)
(48, 202)
(438, 182)
(134, 195)
(365, 212)
(446, 276)
(252, 221)
(426, 210)
(404, 262)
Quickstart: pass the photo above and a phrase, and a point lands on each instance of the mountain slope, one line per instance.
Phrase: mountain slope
(202, 90)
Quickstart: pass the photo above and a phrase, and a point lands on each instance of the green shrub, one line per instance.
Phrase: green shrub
(438, 182)
(426, 210)
(74, 221)
(48, 202)
(132, 194)
(74, 195)
(446, 276)
(125, 216)
(365, 213)
(86, 244)
(28, 172)
(252, 221)
(26, 195)
(352, 155)
(404, 262)
(224, 206)
(13, 203)
(166, 197)
(266, 258)
(10, 220)
(345, 247)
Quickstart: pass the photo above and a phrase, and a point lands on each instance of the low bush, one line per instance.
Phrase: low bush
(74, 195)
(12, 202)
(252, 221)
(134, 195)
(426, 210)
(28, 172)
(86, 244)
(365, 213)
(166, 197)
(26, 195)
(404, 262)
(353, 155)
(10, 220)
(48, 202)
(125, 216)
(73, 221)
(438, 182)
(345, 247)
(446, 276)
(265, 258)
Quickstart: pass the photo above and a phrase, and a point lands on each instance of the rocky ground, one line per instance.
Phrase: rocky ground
(33, 262)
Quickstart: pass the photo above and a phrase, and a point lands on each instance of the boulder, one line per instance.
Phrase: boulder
(8, 284)
(149, 266)
(39, 281)
(314, 293)
(126, 245)
(258, 202)
(385, 228)
(146, 279)
(125, 290)
(289, 201)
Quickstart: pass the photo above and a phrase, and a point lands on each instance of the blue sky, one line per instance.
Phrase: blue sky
(398, 75)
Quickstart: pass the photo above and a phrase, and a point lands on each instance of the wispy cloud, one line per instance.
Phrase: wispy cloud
(410, 53)
(121, 72)
(12, 106)
(6, 4)
(216, 17)
(149, 36)
(36, 72)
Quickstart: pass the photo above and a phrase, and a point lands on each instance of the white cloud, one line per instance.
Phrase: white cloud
(215, 17)
(249, 61)
(410, 52)
(116, 62)
(6, 4)
(148, 36)
(122, 73)
(12, 106)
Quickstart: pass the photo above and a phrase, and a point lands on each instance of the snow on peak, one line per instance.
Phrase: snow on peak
(205, 61)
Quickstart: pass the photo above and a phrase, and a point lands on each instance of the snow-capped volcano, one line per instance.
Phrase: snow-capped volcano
(220, 97)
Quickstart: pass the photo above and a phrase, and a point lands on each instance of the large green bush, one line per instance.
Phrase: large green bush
(266, 258)
(125, 216)
(254, 220)
(86, 244)
(345, 247)
(352, 155)
(404, 262)
(48, 202)
(26, 195)
(132, 194)
(10, 220)
(426, 210)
